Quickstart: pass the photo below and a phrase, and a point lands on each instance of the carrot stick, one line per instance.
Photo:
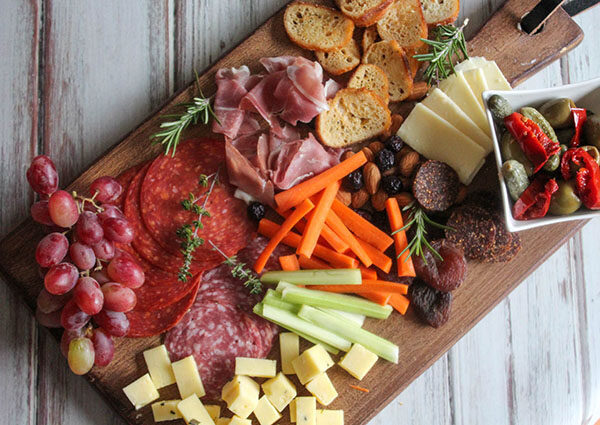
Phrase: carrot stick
(368, 273)
(312, 263)
(400, 303)
(356, 387)
(366, 286)
(289, 262)
(404, 262)
(362, 228)
(268, 228)
(338, 226)
(381, 298)
(328, 235)
(317, 220)
(292, 197)
(379, 258)
(284, 229)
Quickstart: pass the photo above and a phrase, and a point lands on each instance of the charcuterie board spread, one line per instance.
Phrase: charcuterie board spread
(302, 244)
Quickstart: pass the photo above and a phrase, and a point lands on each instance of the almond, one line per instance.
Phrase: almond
(359, 198)
(376, 146)
(346, 155)
(368, 153)
(372, 177)
(344, 197)
(408, 163)
(378, 200)
(404, 199)
(391, 172)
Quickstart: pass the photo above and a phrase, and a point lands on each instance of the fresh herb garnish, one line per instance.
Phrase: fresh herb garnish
(239, 271)
(188, 233)
(447, 42)
(418, 217)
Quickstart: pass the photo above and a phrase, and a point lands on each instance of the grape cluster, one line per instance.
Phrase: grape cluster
(86, 277)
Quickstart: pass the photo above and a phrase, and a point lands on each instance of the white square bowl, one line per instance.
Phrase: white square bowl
(585, 95)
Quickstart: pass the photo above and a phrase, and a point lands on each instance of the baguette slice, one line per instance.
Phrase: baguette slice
(317, 27)
(340, 61)
(405, 23)
(391, 58)
(365, 12)
(440, 12)
(354, 115)
(413, 63)
(369, 37)
(371, 77)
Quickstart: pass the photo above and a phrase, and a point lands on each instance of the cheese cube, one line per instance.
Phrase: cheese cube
(358, 361)
(214, 410)
(330, 417)
(262, 368)
(322, 388)
(236, 420)
(187, 377)
(289, 345)
(241, 395)
(280, 391)
(141, 391)
(265, 412)
(165, 410)
(192, 408)
(293, 410)
(306, 411)
(309, 364)
(159, 366)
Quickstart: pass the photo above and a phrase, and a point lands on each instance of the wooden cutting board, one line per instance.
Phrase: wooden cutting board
(519, 56)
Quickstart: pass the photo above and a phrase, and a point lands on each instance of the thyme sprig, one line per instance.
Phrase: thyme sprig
(240, 271)
(418, 217)
(448, 42)
(188, 233)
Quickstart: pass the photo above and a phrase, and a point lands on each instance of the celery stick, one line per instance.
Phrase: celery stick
(352, 318)
(378, 345)
(274, 299)
(341, 302)
(315, 277)
(282, 285)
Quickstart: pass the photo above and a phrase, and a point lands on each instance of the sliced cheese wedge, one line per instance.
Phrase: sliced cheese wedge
(443, 106)
(435, 138)
(493, 75)
(476, 80)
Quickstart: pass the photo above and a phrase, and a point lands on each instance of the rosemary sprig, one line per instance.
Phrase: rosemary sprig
(447, 43)
(188, 233)
(418, 217)
(239, 271)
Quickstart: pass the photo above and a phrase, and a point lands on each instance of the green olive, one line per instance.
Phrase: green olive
(565, 135)
(515, 178)
(510, 149)
(593, 151)
(552, 163)
(565, 201)
(558, 112)
(591, 130)
(499, 107)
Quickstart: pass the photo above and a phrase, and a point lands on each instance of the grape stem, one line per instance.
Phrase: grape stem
(82, 200)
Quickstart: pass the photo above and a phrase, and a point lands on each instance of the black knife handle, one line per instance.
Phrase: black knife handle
(534, 20)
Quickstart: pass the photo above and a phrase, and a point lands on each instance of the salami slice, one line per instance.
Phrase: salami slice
(124, 180)
(170, 179)
(148, 323)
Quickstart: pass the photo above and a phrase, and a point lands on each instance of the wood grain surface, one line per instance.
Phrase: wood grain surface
(541, 381)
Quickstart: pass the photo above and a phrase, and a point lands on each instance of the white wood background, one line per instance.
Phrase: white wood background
(76, 76)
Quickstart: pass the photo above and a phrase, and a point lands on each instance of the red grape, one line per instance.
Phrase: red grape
(82, 255)
(42, 175)
(49, 320)
(106, 189)
(63, 209)
(100, 276)
(104, 250)
(88, 228)
(81, 355)
(88, 296)
(48, 303)
(66, 338)
(103, 346)
(61, 278)
(114, 323)
(118, 230)
(126, 271)
(39, 212)
(110, 211)
(118, 297)
(51, 249)
(72, 317)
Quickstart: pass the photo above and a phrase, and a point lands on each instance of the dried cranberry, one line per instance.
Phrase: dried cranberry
(394, 143)
(354, 181)
(431, 305)
(392, 185)
(256, 211)
(366, 214)
(444, 274)
(385, 159)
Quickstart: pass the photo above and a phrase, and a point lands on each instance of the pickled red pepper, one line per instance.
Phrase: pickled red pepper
(579, 118)
(578, 162)
(535, 201)
(533, 141)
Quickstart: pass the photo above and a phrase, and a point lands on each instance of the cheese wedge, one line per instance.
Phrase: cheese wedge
(265, 412)
(435, 138)
(358, 361)
(457, 89)
(322, 388)
(306, 411)
(476, 80)
(261, 368)
(493, 75)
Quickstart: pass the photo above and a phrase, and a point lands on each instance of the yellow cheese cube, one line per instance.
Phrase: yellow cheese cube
(192, 408)
(265, 412)
(322, 388)
(223, 421)
(236, 420)
(241, 395)
(280, 391)
(141, 391)
(187, 377)
(309, 364)
(293, 410)
(214, 410)
(330, 417)
(358, 361)
(262, 368)
(159, 366)
(289, 345)
(165, 410)
(306, 411)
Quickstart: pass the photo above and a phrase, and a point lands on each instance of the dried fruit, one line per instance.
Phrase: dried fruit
(474, 231)
(378, 200)
(444, 274)
(431, 305)
(256, 211)
(372, 177)
(359, 198)
(436, 186)
(392, 185)
(462, 194)
(366, 214)
(404, 199)
(354, 181)
(408, 162)
(385, 159)
(394, 143)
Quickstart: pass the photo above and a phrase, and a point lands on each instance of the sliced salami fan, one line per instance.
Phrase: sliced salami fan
(124, 180)
(170, 179)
